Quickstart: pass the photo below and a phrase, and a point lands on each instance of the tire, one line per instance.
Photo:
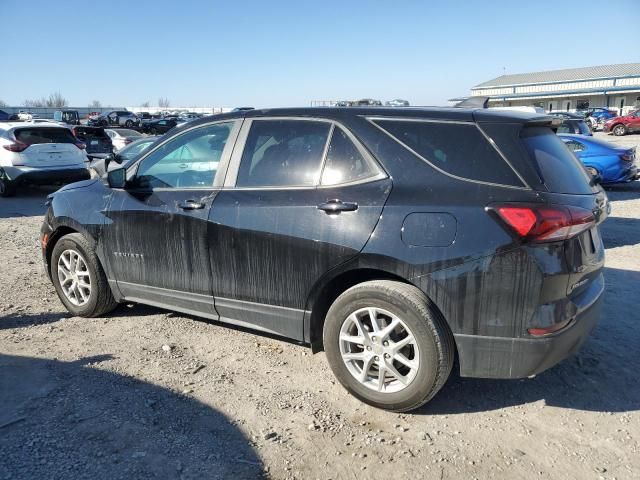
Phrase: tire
(153, 131)
(619, 130)
(7, 188)
(100, 299)
(128, 124)
(433, 344)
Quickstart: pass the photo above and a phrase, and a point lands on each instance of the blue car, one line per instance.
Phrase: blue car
(611, 163)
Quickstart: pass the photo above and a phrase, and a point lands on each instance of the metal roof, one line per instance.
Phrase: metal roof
(566, 75)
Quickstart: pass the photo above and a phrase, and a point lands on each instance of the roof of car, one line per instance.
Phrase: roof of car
(13, 125)
(435, 113)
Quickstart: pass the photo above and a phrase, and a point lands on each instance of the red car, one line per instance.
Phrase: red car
(622, 125)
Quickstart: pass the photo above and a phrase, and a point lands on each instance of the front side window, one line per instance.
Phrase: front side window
(283, 153)
(189, 160)
(456, 148)
(345, 163)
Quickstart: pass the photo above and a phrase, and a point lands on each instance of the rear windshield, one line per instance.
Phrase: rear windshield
(90, 132)
(559, 169)
(578, 127)
(459, 149)
(36, 135)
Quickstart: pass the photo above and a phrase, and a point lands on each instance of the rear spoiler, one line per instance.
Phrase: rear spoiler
(473, 102)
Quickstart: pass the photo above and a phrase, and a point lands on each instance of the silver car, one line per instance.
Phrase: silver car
(117, 118)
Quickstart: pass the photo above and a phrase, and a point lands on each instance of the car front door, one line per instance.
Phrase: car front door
(155, 238)
(301, 197)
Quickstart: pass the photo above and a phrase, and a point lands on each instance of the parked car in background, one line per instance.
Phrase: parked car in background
(4, 116)
(97, 142)
(101, 165)
(122, 118)
(144, 115)
(158, 127)
(25, 116)
(602, 113)
(121, 137)
(70, 117)
(242, 109)
(39, 154)
(603, 160)
(366, 102)
(397, 103)
(629, 123)
(442, 246)
(572, 123)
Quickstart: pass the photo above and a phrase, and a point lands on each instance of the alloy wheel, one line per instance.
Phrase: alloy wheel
(74, 278)
(379, 350)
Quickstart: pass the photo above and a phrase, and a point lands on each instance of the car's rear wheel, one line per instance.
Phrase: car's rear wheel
(128, 123)
(7, 188)
(153, 131)
(79, 279)
(387, 345)
(619, 130)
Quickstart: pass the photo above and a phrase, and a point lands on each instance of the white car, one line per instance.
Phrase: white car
(121, 137)
(42, 153)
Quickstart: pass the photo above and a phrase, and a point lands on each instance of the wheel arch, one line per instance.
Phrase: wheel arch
(323, 295)
(60, 231)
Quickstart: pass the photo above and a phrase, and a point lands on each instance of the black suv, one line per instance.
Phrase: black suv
(394, 239)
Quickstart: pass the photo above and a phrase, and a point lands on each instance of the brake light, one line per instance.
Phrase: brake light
(556, 327)
(628, 156)
(16, 147)
(80, 145)
(544, 223)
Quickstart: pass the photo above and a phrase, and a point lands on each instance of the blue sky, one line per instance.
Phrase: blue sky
(287, 53)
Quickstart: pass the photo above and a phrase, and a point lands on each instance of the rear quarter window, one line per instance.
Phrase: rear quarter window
(34, 136)
(558, 167)
(454, 148)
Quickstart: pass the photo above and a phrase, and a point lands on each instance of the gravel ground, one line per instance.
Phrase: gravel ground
(145, 393)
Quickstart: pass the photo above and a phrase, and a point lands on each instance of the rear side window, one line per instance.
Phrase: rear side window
(558, 167)
(457, 149)
(345, 163)
(34, 136)
(283, 153)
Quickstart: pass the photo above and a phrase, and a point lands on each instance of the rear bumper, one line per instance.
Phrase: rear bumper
(46, 176)
(626, 175)
(500, 357)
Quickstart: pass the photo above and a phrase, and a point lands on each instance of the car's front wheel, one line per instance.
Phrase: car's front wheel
(619, 130)
(387, 345)
(79, 279)
(128, 124)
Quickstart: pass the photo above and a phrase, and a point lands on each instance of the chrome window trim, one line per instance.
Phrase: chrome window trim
(435, 167)
(223, 163)
(236, 157)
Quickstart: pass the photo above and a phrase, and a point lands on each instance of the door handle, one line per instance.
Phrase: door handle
(337, 206)
(191, 205)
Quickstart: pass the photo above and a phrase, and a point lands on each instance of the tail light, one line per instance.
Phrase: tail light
(16, 147)
(544, 223)
(80, 145)
(628, 156)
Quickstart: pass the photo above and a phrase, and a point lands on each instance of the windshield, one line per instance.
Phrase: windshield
(133, 150)
(123, 132)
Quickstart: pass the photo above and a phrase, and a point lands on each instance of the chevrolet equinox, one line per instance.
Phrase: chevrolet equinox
(393, 239)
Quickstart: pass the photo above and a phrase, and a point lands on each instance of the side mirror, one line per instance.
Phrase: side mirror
(117, 178)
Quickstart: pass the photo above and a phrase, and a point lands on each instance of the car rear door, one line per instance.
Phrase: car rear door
(155, 239)
(301, 197)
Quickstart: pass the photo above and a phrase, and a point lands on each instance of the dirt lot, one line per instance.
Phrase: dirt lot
(146, 393)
